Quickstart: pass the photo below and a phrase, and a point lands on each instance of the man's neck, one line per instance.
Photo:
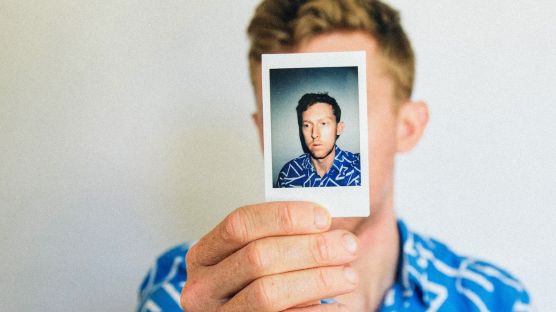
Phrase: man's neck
(324, 164)
(379, 251)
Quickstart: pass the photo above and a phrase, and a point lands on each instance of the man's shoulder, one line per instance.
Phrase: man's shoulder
(448, 280)
(297, 163)
(293, 172)
(347, 156)
(161, 287)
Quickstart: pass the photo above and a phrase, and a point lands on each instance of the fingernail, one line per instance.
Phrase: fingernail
(350, 275)
(349, 243)
(321, 218)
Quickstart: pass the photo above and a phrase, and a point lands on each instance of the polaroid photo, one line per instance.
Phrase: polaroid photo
(315, 130)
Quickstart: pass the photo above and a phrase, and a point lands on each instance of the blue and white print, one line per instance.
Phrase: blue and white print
(299, 172)
(430, 277)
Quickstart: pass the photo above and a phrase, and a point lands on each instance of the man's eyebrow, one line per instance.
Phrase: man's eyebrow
(320, 119)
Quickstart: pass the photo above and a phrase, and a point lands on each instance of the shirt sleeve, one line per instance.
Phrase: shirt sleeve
(162, 285)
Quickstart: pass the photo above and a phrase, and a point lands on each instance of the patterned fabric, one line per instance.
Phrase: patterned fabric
(299, 172)
(430, 277)
(161, 288)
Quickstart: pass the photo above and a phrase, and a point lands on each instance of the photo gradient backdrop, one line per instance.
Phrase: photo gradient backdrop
(287, 85)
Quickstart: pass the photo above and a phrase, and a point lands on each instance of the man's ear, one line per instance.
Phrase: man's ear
(412, 120)
(257, 118)
(340, 128)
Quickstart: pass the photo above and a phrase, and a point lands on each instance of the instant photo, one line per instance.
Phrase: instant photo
(315, 130)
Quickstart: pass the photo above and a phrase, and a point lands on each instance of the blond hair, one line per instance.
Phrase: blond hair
(279, 25)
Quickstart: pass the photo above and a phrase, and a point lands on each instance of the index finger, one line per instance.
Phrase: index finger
(252, 222)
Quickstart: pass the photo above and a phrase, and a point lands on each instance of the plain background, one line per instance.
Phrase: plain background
(125, 128)
(288, 85)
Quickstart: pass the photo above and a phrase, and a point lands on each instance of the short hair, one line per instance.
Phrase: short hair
(309, 99)
(279, 25)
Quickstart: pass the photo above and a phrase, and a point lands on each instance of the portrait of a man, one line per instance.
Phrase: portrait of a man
(323, 163)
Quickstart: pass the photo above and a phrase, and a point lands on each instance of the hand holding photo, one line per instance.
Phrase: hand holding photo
(315, 130)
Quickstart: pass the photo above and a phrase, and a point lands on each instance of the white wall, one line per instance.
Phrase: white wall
(125, 129)
(484, 177)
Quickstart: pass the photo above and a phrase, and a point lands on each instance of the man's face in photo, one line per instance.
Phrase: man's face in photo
(320, 129)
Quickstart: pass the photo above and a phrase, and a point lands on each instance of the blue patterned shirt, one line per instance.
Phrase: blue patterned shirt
(430, 277)
(299, 172)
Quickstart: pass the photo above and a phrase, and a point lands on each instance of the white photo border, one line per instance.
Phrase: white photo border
(343, 201)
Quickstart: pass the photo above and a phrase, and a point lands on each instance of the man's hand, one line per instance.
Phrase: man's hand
(270, 257)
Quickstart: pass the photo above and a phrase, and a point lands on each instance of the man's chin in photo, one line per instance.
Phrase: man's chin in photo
(318, 150)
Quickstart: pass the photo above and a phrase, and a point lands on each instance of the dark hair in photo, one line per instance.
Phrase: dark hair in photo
(308, 99)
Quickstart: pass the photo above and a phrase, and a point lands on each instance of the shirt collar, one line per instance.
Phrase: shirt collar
(412, 268)
(308, 164)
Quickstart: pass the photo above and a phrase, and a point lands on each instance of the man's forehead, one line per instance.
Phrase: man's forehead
(338, 41)
(318, 111)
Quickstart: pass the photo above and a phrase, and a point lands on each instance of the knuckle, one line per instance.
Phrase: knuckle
(319, 249)
(285, 219)
(261, 295)
(235, 226)
(188, 298)
(254, 258)
(323, 279)
(191, 255)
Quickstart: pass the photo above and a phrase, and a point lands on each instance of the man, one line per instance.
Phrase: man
(324, 164)
(287, 256)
